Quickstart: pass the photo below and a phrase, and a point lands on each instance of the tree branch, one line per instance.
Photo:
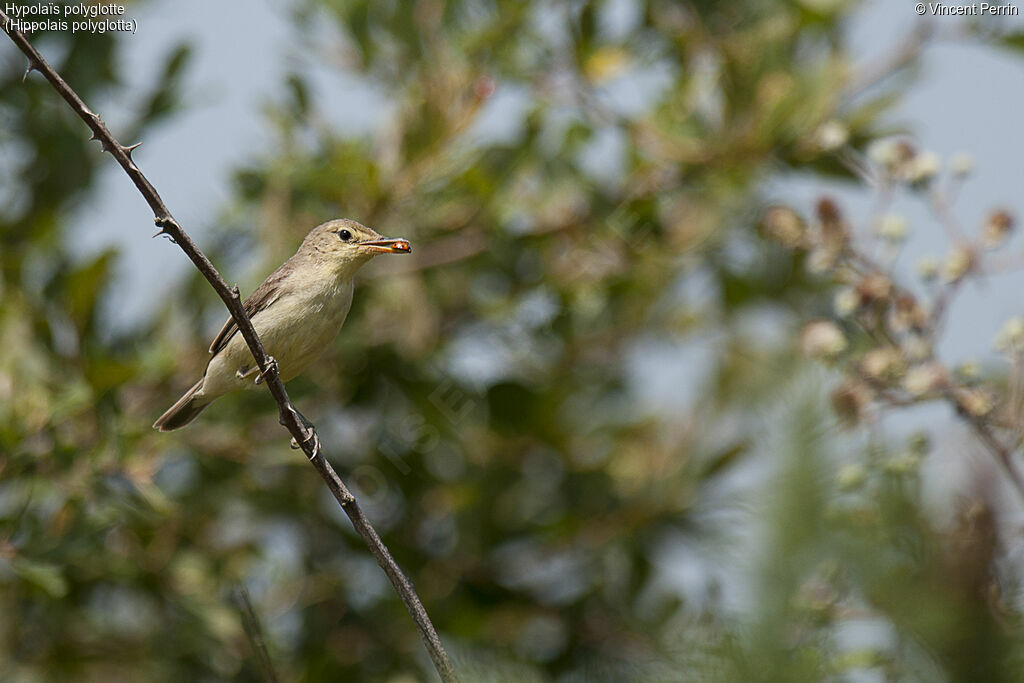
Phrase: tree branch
(905, 52)
(251, 624)
(983, 429)
(289, 417)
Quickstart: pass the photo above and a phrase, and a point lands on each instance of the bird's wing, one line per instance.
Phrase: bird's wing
(266, 294)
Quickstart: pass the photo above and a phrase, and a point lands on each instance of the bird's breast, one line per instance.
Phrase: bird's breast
(300, 326)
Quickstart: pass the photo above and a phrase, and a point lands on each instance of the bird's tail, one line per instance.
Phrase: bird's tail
(184, 411)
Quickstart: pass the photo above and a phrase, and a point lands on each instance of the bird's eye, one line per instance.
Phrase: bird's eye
(345, 235)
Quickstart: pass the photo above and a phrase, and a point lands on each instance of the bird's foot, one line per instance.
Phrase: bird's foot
(272, 366)
(311, 436)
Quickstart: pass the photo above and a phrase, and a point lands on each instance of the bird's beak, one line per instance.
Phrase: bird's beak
(389, 246)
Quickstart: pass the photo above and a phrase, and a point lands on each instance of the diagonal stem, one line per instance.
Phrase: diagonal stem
(253, 631)
(229, 295)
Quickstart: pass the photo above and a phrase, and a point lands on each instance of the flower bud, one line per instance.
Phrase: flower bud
(922, 168)
(961, 165)
(821, 260)
(832, 135)
(927, 268)
(851, 476)
(1010, 339)
(959, 263)
(969, 371)
(902, 463)
(917, 348)
(975, 401)
(822, 339)
(850, 401)
(846, 302)
(906, 315)
(883, 152)
(874, 287)
(783, 225)
(830, 221)
(997, 229)
(884, 364)
(892, 228)
(891, 154)
(924, 379)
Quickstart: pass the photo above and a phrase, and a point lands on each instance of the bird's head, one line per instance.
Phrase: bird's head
(348, 244)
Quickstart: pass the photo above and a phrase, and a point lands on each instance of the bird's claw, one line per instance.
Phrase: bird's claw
(272, 366)
(310, 437)
(310, 433)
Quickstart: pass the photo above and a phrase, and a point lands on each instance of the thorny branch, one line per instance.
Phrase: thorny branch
(305, 437)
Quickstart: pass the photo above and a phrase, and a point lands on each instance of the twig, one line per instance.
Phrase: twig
(997, 448)
(251, 624)
(937, 317)
(1002, 453)
(855, 163)
(288, 416)
(940, 206)
(904, 53)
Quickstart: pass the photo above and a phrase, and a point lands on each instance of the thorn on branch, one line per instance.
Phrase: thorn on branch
(163, 222)
(28, 69)
(131, 148)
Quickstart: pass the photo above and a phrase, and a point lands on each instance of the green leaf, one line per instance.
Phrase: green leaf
(84, 286)
(44, 576)
(726, 458)
(1013, 41)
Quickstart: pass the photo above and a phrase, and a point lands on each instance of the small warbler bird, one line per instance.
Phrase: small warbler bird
(297, 312)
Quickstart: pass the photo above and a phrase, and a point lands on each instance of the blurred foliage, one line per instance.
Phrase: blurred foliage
(554, 412)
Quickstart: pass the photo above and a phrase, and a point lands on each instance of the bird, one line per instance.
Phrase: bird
(297, 312)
